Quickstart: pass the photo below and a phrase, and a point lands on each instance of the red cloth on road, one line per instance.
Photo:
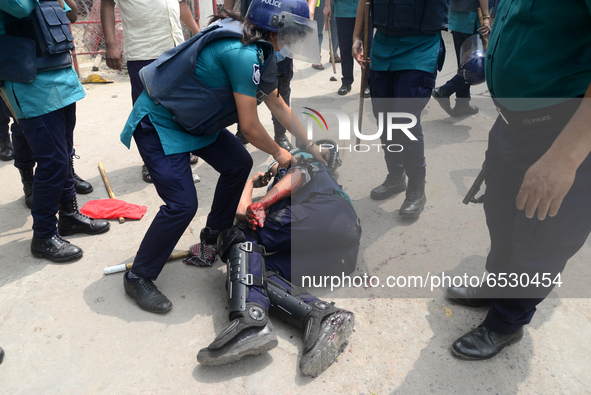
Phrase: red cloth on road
(113, 209)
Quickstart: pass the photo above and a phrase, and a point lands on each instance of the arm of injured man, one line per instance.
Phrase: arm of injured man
(290, 183)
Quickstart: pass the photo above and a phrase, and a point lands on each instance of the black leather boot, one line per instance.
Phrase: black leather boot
(82, 187)
(395, 183)
(415, 200)
(27, 180)
(6, 151)
(71, 221)
(282, 140)
(55, 248)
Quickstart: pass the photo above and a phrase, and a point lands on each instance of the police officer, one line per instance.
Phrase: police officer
(284, 76)
(537, 170)
(42, 91)
(192, 93)
(406, 54)
(463, 22)
(304, 225)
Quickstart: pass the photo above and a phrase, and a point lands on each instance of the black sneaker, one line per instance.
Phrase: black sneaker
(55, 248)
(395, 183)
(146, 295)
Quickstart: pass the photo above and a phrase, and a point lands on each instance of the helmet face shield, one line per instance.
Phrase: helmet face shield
(297, 37)
(472, 57)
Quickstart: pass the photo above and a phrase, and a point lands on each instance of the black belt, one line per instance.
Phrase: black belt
(556, 115)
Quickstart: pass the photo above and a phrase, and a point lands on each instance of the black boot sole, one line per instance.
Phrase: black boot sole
(405, 214)
(37, 254)
(238, 350)
(318, 362)
(468, 358)
(394, 191)
(70, 232)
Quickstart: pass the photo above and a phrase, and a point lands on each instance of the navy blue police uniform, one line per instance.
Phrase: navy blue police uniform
(405, 57)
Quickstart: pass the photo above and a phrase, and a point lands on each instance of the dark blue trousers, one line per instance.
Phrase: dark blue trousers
(403, 91)
(4, 121)
(345, 28)
(457, 84)
(320, 237)
(50, 138)
(133, 68)
(173, 180)
(519, 244)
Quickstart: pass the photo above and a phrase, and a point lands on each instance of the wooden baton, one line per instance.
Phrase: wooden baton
(126, 266)
(364, 69)
(108, 185)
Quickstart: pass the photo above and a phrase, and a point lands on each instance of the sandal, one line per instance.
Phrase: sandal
(146, 174)
(318, 66)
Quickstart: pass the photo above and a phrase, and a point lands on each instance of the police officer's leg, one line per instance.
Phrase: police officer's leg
(383, 83)
(250, 331)
(458, 84)
(173, 180)
(412, 93)
(71, 221)
(326, 327)
(6, 151)
(284, 76)
(23, 161)
(345, 34)
(137, 87)
(46, 136)
(229, 158)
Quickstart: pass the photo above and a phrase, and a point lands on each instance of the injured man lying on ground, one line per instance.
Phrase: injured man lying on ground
(304, 225)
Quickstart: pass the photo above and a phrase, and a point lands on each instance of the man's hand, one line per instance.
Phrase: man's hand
(321, 155)
(544, 186)
(327, 10)
(284, 158)
(113, 57)
(256, 215)
(259, 180)
(485, 28)
(358, 53)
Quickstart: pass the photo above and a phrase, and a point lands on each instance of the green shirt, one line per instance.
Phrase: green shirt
(539, 49)
(462, 22)
(221, 63)
(390, 53)
(345, 8)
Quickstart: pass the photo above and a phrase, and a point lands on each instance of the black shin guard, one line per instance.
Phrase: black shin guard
(326, 328)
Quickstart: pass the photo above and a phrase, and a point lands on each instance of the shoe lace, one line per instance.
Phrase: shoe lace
(58, 238)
